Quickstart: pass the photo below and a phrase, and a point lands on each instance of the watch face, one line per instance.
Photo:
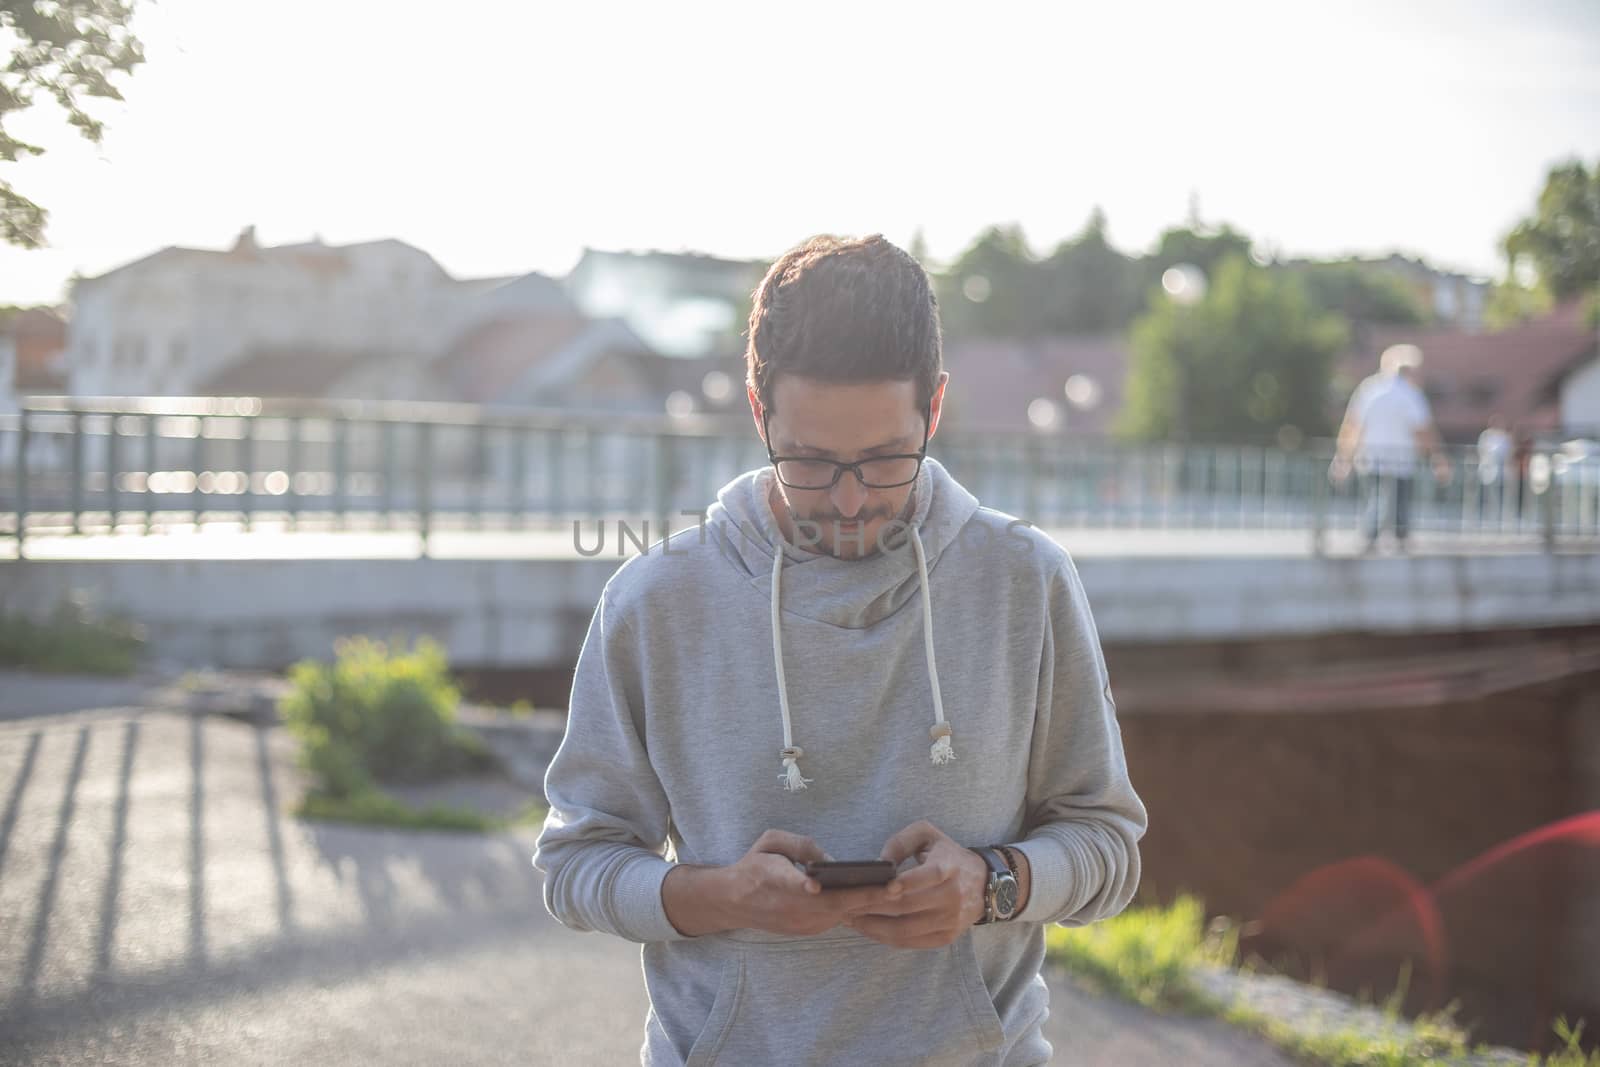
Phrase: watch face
(1005, 897)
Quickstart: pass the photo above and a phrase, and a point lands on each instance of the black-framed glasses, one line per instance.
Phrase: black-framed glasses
(874, 472)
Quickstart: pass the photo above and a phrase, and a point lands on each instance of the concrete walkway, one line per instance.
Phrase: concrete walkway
(158, 906)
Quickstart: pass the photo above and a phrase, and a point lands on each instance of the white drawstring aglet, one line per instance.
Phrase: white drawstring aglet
(792, 781)
(942, 751)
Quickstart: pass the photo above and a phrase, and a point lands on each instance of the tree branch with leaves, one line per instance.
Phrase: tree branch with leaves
(69, 51)
(1557, 248)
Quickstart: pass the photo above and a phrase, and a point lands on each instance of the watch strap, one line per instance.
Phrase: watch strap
(998, 866)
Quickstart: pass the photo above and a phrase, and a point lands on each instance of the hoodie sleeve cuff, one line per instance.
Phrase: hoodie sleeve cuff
(638, 913)
(1052, 882)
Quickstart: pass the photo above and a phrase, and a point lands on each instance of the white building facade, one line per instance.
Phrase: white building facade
(168, 323)
(1580, 399)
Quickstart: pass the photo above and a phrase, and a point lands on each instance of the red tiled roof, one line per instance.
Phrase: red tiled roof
(1470, 377)
(304, 373)
(40, 335)
(492, 358)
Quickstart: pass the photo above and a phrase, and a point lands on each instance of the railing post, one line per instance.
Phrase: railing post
(387, 445)
(1547, 514)
(480, 470)
(113, 462)
(198, 463)
(1030, 476)
(22, 483)
(1319, 508)
(597, 497)
(151, 436)
(247, 460)
(424, 482)
(77, 472)
(292, 495)
(341, 464)
(665, 444)
(556, 453)
(519, 472)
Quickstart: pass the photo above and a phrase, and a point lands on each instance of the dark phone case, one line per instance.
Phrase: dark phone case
(845, 874)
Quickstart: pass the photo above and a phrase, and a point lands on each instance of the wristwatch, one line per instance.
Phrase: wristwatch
(1000, 897)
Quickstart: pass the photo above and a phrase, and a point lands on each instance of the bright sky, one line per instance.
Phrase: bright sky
(504, 136)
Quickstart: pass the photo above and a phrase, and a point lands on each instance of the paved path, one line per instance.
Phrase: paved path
(157, 906)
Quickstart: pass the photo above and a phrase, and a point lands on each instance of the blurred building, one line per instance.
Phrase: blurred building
(8, 375)
(681, 304)
(1070, 384)
(1579, 396)
(32, 346)
(1455, 301)
(377, 320)
(1541, 375)
(565, 358)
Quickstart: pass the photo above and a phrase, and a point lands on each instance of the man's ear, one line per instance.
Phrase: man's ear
(936, 404)
(755, 410)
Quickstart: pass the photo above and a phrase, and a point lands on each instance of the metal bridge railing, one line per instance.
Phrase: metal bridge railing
(147, 465)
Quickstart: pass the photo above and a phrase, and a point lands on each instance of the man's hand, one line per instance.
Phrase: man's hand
(1339, 470)
(764, 890)
(931, 904)
(1441, 468)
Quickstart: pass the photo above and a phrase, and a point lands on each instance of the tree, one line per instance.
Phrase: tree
(1202, 248)
(1512, 301)
(1554, 254)
(998, 288)
(1250, 359)
(1361, 294)
(993, 289)
(1093, 288)
(918, 249)
(1562, 239)
(69, 50)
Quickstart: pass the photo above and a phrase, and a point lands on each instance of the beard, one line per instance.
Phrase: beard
(820, 531)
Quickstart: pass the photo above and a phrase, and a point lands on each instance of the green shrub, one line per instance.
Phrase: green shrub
(73, 640)
(374, 715)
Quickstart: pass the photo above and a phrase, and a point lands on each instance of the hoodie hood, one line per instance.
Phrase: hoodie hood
(848, 593)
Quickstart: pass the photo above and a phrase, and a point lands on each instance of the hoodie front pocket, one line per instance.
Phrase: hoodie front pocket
(848, 1000)
(708, 1044)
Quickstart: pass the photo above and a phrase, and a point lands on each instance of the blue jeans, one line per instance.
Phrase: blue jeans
(1388, 495)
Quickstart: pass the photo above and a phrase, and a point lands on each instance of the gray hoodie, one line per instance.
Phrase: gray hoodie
(732, 683)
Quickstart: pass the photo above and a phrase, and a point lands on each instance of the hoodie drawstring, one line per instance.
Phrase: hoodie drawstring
(941, 752)
(940, 730)
(791, 752)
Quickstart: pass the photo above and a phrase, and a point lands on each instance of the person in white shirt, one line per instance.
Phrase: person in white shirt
(1387, 428)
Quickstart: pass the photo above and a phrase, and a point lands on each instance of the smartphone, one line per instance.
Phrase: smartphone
(846, 874)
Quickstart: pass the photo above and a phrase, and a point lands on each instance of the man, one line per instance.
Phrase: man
(765, 692)
(1387, 424)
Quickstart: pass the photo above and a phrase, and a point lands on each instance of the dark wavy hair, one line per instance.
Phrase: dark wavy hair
(845, 311)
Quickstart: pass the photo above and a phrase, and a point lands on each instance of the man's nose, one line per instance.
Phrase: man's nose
(848, 494)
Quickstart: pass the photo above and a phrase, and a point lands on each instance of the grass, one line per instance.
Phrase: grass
(373, 807)
(1145, 954)
(1426, 1040)
(71, 641)
(1149, 955)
